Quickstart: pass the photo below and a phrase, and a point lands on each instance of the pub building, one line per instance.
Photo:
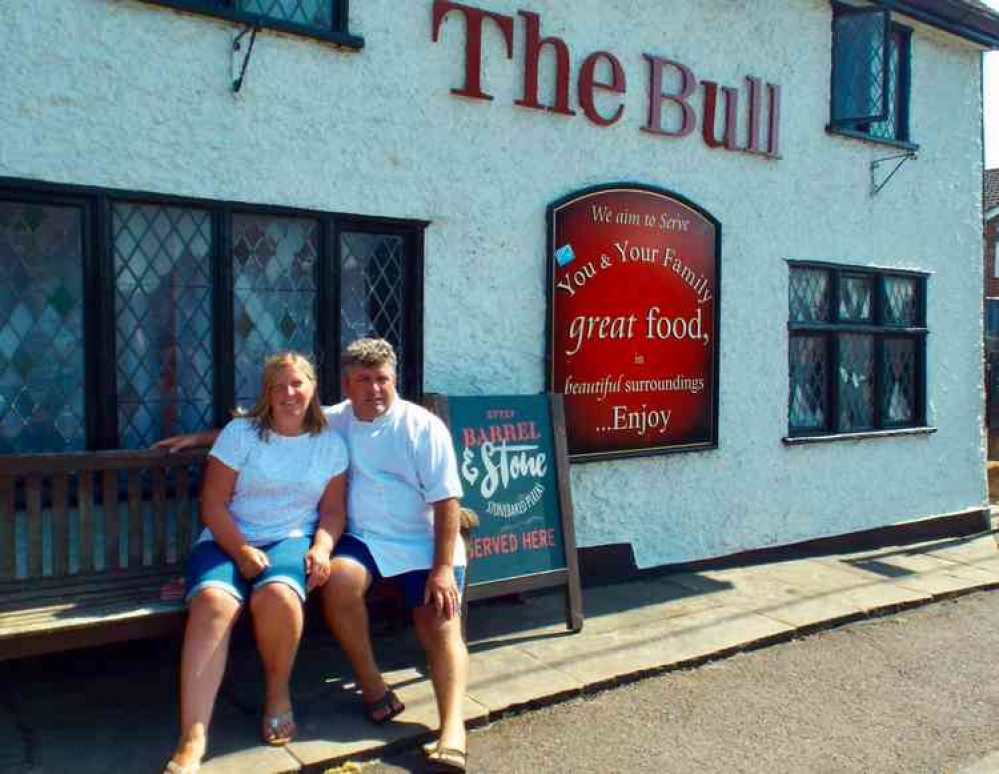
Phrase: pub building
(742, 241)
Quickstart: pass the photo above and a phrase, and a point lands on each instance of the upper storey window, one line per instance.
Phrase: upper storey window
(326, 19)
(870, 75)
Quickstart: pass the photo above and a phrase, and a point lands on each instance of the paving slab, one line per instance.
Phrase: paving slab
(837, 580)
(13, 745)
(602, 657)
(510, 677)
(923, 572)
(783, 598)
(335, 727)
(626, 605)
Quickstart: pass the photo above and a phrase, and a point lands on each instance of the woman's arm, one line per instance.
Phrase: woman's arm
(216, 492)
(332, 523)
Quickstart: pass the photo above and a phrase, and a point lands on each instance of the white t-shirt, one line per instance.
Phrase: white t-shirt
(280, 481)
(400, 463)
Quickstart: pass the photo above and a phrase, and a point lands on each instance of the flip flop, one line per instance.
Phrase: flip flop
(389, 701)
(447, 760)
(271, 732)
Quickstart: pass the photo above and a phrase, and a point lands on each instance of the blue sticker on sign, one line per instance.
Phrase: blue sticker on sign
(564, 255)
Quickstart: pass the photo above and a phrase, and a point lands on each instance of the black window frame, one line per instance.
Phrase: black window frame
(101, 401)
(880, 330)
(861, 128)
(338, 34)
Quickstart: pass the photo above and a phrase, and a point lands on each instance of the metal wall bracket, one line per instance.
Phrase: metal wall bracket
(901, 158)
(237, 47)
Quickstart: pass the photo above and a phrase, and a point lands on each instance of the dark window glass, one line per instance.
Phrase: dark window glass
(855, 296)
(41, 328)
(163, 321)
(861, 367)
(870, 74)
(856, 382)
(809, 378)
(372, 288)
(166, 330)
(310, 13)
(809, 295)
(274, 294)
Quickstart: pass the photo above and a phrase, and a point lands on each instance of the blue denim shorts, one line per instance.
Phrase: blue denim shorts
(413, 583)
(209, 566)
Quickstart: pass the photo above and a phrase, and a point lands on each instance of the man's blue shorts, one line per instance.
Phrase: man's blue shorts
(209, 566)
(413, 583)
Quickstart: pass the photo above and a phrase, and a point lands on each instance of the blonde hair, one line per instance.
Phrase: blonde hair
(260, 414)
(368, 353)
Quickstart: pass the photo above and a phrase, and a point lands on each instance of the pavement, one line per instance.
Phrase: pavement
(113, 709)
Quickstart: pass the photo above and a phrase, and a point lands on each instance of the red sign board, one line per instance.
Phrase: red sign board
(633, 321)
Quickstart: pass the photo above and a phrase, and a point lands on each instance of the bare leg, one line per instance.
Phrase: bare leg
(347, 616)
(277, 624)
(210, 619)
(448, 659)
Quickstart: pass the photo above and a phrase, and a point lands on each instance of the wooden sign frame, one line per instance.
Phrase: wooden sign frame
(567, 576)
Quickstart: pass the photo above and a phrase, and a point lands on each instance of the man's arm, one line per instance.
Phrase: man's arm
(176, 443)
(442, 589)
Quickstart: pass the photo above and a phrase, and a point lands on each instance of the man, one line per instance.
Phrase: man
(403, 524)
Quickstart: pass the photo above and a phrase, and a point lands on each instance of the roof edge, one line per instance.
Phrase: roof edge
(971, 22)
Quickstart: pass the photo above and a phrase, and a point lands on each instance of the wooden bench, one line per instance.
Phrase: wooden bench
(92, 550)
(92, 547)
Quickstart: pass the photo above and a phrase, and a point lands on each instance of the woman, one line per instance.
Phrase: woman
(273, 504)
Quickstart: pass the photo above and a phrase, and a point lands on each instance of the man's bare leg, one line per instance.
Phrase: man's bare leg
(347, 617)
(448, 660)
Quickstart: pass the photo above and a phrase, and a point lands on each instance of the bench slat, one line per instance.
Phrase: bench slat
(159, 555)
(33, 496)
(112, 527)
(85, 501)
(183, 513)
(8, 547)
(60, 525)
(134, 518)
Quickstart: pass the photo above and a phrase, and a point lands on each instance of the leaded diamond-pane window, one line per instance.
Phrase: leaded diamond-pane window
(310, 13)
(809, 295)
(855, 297)
(870, 74)
(323, 19)
(126, 317)
(42, 382)
(861, 367)
(372, 288)
(163, 320)
(900, 370)
(809, 365)
(900, 301)
(275, 263)
(856, 382)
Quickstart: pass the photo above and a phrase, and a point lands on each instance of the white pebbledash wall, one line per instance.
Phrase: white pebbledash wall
(125, 94)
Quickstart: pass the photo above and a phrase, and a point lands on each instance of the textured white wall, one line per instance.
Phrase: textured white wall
(123, 94)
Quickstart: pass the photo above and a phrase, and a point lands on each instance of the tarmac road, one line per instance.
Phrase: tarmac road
(913, 692)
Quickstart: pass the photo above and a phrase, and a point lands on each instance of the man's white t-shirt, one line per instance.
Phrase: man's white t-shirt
(400, 463)
(280, 481)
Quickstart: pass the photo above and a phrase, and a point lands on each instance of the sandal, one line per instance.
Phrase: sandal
(447, 760)
(271, 732)
(389, 701)
(173, 767)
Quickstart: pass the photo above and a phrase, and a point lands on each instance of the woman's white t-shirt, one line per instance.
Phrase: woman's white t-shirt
(279, 481)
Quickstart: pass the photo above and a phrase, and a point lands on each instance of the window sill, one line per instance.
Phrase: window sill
(797, 440)
(337, 37)
(854, 135)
